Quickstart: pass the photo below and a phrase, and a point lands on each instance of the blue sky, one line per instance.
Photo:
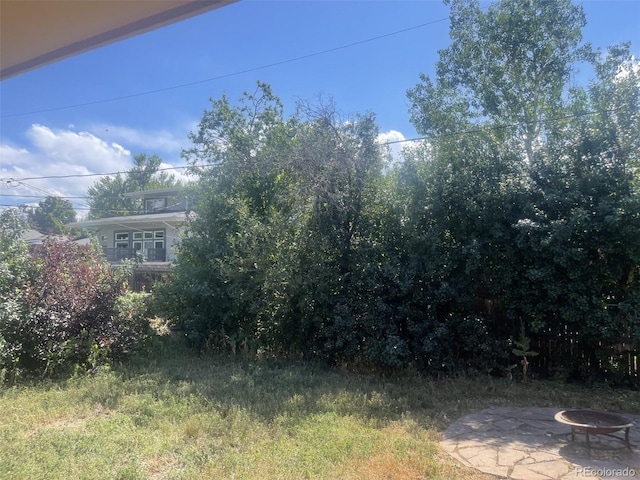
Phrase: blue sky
(39, 137)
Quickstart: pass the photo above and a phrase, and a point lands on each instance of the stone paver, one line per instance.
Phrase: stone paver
(528, 444)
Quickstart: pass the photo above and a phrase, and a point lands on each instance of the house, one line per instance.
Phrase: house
(148, 236)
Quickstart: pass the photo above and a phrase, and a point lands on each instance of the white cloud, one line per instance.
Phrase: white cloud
(60, 152)
(81, 151)
(625, 69)
(397, 143)
(180, 174)
(164, 143)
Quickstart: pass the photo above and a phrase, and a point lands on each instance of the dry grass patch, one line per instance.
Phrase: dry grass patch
(181, 416)
(404, 451)
(158, 468)
(398, 454)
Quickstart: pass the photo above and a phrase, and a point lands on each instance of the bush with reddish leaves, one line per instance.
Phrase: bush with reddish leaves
(69, 308)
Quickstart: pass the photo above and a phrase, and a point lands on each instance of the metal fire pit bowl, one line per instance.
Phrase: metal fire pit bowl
(592, 422)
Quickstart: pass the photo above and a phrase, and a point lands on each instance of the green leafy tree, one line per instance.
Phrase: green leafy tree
(497, 87)
(342, 292)
(508, 66)
(15, 272)
(106, 197)
(581, 238)
(275, 259)
(52, 214)
(516, 218)
(224, 292)
(525, 188)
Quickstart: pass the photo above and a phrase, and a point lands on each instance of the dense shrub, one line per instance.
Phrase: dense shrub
(517, 217)
(63, 307)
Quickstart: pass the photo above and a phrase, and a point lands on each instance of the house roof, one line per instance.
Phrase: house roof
(34, 237)
(157, 193)
(130, 220)
(34, 33)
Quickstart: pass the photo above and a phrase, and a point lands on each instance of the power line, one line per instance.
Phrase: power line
(503, 126)
(18, 206)
(84, 175)
(226, 75)
(474, 130)
(36, 189)
(122, 212)
(45, 196)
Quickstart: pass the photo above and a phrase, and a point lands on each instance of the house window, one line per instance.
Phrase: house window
(149, 243)
(153, 239)
(121, 240)
(154, 204)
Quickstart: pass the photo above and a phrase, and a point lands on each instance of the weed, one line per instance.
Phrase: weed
(186, 416)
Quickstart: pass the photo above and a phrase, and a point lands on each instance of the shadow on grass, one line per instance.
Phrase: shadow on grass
(190, 416)
(264, 388)
(271, 390)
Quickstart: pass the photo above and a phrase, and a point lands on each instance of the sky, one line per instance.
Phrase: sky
(91, 113)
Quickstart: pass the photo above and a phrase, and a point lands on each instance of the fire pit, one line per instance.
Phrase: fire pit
(592, 422)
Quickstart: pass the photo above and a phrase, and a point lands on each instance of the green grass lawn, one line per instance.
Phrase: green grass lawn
(183, 416)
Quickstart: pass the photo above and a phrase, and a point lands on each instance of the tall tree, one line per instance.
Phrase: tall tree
(106, 195)
(232, 256)
(526, 186)
(339, 164)
(580, 240)
(509, 65)
(275, 258)
(52, 214)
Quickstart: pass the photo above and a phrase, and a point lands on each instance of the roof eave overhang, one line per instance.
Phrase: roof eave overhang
(34, 33)
(176, 218)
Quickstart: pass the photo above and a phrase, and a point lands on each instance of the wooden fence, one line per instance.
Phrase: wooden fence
(567, 356)
(143, 280)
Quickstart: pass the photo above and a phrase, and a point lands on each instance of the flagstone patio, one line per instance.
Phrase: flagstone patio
(528, 444)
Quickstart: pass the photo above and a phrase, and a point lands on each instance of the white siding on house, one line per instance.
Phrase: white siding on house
(154, 235)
